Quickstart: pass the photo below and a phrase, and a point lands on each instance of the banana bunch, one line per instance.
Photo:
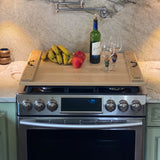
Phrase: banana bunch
(58, 54)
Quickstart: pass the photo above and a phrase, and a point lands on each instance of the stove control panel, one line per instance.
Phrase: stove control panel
(101, 105)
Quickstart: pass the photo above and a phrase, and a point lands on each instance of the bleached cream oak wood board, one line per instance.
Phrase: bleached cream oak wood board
(49, 73)
(132, 66)
(31, 66)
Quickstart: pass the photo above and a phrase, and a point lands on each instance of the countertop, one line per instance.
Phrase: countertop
(151, 75)
(10, 75)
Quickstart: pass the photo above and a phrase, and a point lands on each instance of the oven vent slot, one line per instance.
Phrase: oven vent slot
(82, 89)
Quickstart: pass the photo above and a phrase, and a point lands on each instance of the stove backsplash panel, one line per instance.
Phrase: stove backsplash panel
(27, 25)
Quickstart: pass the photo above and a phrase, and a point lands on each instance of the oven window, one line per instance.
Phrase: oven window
(81, 144)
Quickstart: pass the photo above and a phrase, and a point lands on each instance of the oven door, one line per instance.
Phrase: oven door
(80, 138)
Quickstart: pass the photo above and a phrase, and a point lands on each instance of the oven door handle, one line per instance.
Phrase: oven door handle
(80, 126)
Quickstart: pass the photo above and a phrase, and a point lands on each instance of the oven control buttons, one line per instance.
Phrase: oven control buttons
(39, 105)
(27, 105)
(123, 105)
(110, 105)
(136, 106)
(52, 105)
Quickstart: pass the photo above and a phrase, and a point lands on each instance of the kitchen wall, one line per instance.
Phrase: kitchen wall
(27, 25)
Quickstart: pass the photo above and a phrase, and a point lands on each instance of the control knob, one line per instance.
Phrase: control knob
(39, 105)
(52, 105)
(26, 104)
(123, 105)
(110, 105)
(136, 106)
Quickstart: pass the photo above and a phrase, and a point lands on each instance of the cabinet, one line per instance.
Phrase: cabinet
(8, 148)
(3, 137)
(153, 132)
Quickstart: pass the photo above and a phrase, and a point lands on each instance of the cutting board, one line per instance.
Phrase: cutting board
(46, 73)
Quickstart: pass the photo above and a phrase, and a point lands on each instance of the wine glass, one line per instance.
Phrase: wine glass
(117, 45)
(106, 48)
(106, 51)
(107, 63)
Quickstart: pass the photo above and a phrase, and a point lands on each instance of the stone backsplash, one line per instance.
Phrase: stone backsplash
(27, 25)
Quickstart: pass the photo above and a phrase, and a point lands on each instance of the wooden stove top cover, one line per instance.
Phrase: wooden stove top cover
(46, 73)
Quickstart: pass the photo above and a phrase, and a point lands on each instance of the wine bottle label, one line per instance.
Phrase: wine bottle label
(96, 48)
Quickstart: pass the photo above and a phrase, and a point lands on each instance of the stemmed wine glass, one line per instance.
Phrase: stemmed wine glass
(106, 48)
(106, 52)
(116, 43)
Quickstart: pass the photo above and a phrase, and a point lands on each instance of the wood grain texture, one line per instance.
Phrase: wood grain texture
(132, 66)
(31, 66)
(49, 73)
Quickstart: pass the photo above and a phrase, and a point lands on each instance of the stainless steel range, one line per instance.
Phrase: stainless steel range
(68, 122)
(86, 113)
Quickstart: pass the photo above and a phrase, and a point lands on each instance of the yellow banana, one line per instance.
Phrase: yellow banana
(55, 49)
(63, 49)
(70, 59)
(51, 56)
(65, 59)
(44, 55)
(71, 54)
(58, 54)
(59, 58)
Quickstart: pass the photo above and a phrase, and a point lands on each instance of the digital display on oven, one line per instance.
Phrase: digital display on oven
(81, 104)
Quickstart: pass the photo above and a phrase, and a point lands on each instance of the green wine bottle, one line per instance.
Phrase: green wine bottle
(95, 38)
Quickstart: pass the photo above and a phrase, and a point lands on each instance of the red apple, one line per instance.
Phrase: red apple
(77, 61)
(80, 54)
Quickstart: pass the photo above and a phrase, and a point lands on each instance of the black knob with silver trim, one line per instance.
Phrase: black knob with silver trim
(136, 105)
(110, 105)
(26, 104)
(39, 105)
(123, 105)
(52, 105)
